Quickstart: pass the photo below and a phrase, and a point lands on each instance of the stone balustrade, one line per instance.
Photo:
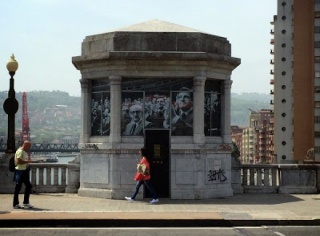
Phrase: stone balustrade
(246, 178)
(55, 178)
(274, 178)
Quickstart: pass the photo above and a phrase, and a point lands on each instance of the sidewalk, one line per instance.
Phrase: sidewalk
(239, 210)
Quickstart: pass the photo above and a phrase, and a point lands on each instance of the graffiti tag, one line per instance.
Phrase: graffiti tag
(91, 146)
(217, 175)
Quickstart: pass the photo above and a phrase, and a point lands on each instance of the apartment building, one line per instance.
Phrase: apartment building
(296, 79)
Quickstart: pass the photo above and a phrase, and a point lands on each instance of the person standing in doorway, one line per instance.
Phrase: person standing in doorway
(145, 178)
(21, 176)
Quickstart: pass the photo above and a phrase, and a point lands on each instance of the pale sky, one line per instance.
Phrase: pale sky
(44, 35)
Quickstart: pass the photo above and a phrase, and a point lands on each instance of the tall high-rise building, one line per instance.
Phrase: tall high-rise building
(296, 61)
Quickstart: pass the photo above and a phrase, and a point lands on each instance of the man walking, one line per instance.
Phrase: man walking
(21, 176)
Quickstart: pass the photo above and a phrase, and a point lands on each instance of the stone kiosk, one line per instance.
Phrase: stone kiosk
(165, 87)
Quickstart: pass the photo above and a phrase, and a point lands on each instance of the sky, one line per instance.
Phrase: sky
(44, 35)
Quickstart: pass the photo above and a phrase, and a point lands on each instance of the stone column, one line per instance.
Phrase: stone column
(85, 111)
(115, 99)
(198, 109)
(225, 116)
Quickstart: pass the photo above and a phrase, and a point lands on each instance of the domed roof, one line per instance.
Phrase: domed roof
(156, 25)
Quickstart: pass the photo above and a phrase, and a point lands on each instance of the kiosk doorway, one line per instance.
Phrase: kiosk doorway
(157, 142)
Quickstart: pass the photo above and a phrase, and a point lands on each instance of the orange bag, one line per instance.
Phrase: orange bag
(138, 177)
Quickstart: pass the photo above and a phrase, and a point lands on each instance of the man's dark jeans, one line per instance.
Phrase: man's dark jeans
(21, 177)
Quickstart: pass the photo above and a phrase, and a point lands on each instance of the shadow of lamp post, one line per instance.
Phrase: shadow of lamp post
(11, 106)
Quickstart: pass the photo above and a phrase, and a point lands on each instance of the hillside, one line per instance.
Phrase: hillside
(240, 104)
(55, 114)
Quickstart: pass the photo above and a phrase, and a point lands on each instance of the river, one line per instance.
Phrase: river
(62, 159)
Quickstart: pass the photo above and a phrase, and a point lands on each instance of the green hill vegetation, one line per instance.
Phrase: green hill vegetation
(55, 114)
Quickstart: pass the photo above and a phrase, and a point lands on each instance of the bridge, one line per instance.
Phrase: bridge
(48, 147)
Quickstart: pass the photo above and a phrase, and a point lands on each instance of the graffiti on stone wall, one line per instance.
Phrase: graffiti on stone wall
(216, 173)
(91, 146)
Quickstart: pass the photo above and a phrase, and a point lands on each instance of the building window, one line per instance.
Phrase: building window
(317, 119)
(284, 157)
(317, 29)
(317, 89)
(317, 2)
(283, 4)
(283, 143)
(317, 44)
(283, 128)
(283, 87)
(283, 31)
(283, 17)
(283, 45)
(317, 104)
(317, 14)
(283, 114)
(317, 59)
(283, 73)
(283, 101)
(317, 134)
(283, 59)
(317, 74)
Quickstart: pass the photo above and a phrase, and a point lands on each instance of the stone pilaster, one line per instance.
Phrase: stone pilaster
(115, 98)
(198, 109)
(226, 113)
(85, 111)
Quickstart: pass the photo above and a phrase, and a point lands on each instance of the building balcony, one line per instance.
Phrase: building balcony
(271, 92)
(272, 81)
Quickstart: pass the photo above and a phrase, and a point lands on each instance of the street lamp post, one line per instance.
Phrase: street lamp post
(11, 106)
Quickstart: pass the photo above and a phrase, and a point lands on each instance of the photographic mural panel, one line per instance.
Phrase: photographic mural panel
(212, 108)
(132, 114)
(100, 113)
(157, 104)
(181, 112)
(146, 103)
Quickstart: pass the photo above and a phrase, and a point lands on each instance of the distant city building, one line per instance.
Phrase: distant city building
(236, 135)
(296, 82)
(255, 142)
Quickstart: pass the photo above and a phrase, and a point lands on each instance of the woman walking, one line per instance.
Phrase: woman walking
(143, 176)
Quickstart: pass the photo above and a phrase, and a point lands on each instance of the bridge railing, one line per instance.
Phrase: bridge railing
(282, 178)
(268, 178)
(55, 178)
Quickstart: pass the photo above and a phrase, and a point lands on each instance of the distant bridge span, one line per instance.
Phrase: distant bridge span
(48, 147)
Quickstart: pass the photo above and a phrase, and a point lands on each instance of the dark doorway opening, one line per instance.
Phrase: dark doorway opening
(157, 142)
